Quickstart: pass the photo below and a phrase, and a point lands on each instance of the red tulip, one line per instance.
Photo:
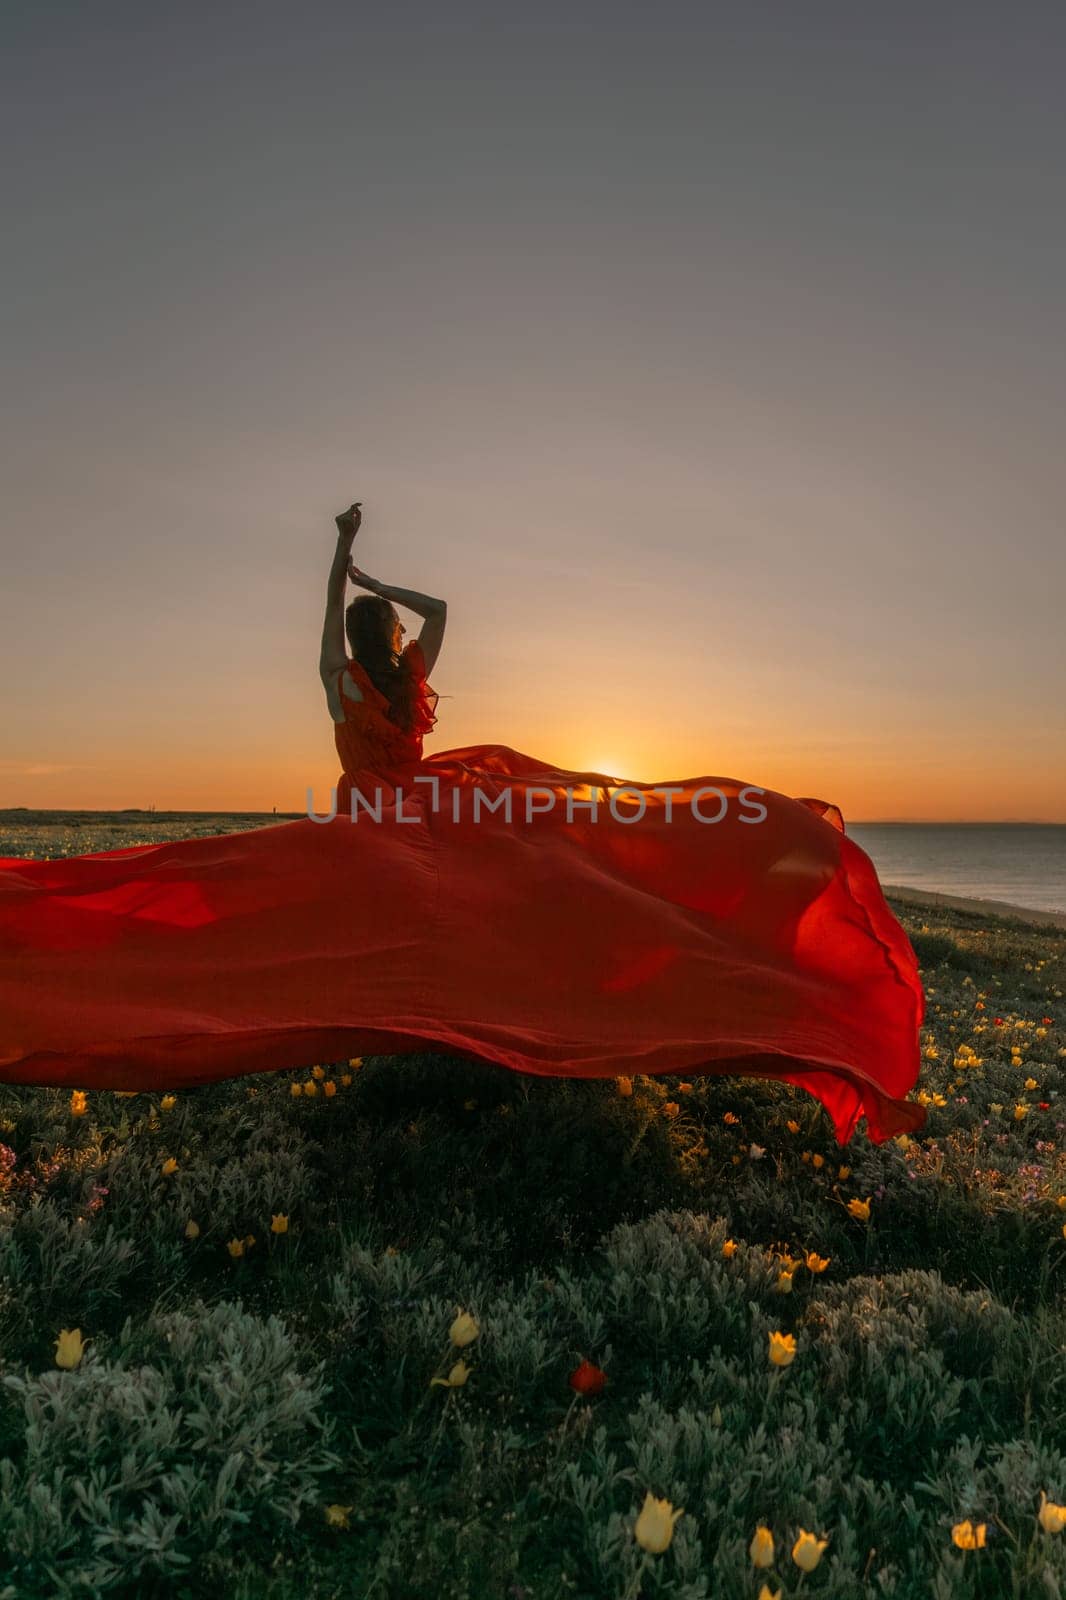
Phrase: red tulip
(587, 1379)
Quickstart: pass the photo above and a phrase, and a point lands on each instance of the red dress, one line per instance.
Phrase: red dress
(556, 942)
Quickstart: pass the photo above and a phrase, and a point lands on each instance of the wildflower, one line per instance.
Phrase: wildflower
(249, 1239)
(279, 1223)
(346, 1079)
(169, 1166)
(814, 1262)
(1031, 1083)
(756, 1152)
(79, 1103)
(730, 1120)
(784, 1283)
(70, 1347)
(729, 1248)
(844, 1173)
(793, 1127)
(624, 1086)
(464, 1330)
(355, 1062)
(192, 1229)
(168, 1102)
(782, 1349)
(654, 1527)
(761, 1548)
(968, 1536)
(318, 1072)
(296, 1088)
(329, 1088)
(817, 1161)
(939, 1100)
(766, 1594)
(860, 1209)
(587, 1378)
(996, 1106)
(235, 1248)
(1052, 1518)
(337, 1516)
(684, 1088)
(807, 1551)
(456, 1377)
(1021, 1110)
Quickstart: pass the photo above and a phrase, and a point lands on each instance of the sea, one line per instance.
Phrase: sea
(1023, 863)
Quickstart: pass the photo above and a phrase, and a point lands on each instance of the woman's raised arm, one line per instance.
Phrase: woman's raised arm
(334, 653)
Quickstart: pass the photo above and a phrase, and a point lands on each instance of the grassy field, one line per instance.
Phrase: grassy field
(268, 1275)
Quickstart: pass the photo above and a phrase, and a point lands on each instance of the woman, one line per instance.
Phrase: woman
(478, 901)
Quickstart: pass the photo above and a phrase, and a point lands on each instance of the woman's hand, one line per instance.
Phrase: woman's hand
(363, 579)
(348, 522)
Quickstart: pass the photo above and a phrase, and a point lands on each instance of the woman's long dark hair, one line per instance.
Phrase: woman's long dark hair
(369, 622)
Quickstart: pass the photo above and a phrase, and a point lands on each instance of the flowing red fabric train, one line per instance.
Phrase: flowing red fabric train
(644, 938)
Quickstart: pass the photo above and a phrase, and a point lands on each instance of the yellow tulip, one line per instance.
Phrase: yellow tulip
(318, 1072)
(969, 1536)
(654, 1526)
(355, 1062)
(337, 1516)
(329, 1088)
(456, 1377)
(296, 1088)
(192, 1229)
(236, 1248)
(671, 1108)
(817, 1161)
(765, 1593)
(807, 1551)
(168, 1102)
(761, 1548)
(464, 1330)
(1061, 1202)
(860, 1209)
(70, 1347)
(729, 1248)
(782, 1349)
(793, 1127)
(346, 1079)
(79, 1103)
(1031, 1083)
(310, 1087)
(815, 1262)
(1052, 1518)
(624, 1086)
(843, 1173)
(169, 1166)
(279, 1223)
(784, 1283)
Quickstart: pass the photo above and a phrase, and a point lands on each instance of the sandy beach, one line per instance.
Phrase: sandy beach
(977, 908)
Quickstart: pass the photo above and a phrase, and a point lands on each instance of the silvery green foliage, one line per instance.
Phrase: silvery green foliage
(58, 1266)
(134, 1470)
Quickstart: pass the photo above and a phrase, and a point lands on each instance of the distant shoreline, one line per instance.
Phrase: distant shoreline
(976, 908)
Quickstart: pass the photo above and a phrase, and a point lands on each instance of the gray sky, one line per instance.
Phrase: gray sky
(707, 359)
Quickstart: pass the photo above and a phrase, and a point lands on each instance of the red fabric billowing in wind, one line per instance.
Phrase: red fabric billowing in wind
(571, 948)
